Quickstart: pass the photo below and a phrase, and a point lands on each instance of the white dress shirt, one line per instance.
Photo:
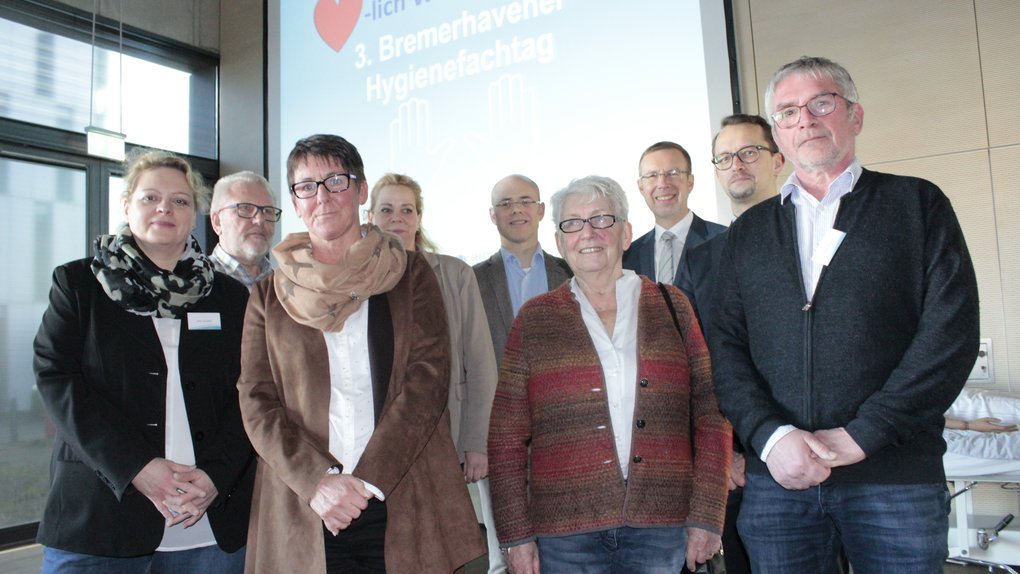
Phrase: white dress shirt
(351, 404)
(815, 219)
(618, 357)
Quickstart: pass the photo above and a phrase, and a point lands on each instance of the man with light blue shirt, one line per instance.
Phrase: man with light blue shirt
(517, 272)
(520, 269)
(845, 323)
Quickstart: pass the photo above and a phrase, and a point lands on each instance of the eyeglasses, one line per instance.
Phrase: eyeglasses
(820, 105)
(334, 184)
(248, 211)
(669, 175)
(746, 154)
(595, 221)
(508, 203)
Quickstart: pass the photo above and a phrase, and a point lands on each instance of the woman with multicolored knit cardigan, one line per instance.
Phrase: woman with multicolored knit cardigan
(607, 449)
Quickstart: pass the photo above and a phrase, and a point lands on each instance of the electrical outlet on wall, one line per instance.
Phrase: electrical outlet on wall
(982, 371)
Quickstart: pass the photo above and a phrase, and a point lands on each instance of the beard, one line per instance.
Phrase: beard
(746, 190)
(253, 248)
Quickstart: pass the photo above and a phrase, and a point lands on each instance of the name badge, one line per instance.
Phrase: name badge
(204, 321)
(827, 247)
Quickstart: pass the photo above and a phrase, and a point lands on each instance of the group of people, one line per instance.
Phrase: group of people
(766, 397)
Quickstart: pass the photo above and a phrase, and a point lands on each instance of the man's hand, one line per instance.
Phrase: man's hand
(844, 448)
(737, 471)
(795, 461)
(476, 466)
(338, 500)
(156, 481)
(191, 504)
(701, 546)
(523, 559)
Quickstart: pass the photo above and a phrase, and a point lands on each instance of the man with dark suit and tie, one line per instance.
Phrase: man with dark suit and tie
(517, 272)
(747, 163)
(665, 181)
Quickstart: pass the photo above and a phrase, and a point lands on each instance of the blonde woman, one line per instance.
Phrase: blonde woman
(395, 205)
(136, 361)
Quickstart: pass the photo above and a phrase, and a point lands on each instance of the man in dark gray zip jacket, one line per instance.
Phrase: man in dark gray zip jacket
(846, 323)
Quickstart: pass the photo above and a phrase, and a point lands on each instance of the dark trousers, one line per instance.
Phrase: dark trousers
(733, 549)
(359, 548)
(734, 559)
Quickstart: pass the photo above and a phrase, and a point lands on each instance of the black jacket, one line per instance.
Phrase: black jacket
(697, 273)
(640, 258)
(882, 349)
(101, 373)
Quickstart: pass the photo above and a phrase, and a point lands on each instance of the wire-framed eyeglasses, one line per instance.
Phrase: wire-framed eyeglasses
(819, 106)
(654, 176)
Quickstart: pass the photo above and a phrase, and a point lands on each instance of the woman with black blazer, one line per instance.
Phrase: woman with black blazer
(136, 361)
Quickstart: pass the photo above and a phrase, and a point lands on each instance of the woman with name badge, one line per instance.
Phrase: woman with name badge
(136, 361)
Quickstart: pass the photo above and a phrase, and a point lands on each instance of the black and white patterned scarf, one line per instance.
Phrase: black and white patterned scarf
(140, 286)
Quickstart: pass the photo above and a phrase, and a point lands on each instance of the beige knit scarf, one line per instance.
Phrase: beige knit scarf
(322, 296)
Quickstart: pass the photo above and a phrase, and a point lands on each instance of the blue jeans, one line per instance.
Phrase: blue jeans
(616, 551)
(883, 528)
(205, 559)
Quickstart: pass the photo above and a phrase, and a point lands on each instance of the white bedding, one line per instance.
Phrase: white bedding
(960, 466)
(977, 403)
(974, 404)
(985, 445)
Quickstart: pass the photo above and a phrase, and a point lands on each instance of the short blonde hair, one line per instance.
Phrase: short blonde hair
(143, 160)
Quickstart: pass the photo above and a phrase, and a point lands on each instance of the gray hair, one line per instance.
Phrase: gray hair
(591, 188)
(222, 187)
(814, 67)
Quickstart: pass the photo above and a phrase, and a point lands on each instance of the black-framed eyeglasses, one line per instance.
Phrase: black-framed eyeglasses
(819, 106)
(654, 176)
(333, 183)
(746, 154)
(524, 203)
(603, 221)
(248, 211)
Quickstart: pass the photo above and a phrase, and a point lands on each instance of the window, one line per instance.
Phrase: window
(156, 100)
(43, 209)
(55, 199)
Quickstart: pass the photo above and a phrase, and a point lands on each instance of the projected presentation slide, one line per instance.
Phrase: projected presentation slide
(460, 94)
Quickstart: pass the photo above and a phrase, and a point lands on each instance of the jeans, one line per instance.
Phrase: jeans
(883, 528)
(615, 551)
(205, 559)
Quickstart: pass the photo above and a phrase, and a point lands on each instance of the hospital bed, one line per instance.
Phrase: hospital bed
(980, 532)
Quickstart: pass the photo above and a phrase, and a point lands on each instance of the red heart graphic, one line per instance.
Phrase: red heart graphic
(335, 21)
